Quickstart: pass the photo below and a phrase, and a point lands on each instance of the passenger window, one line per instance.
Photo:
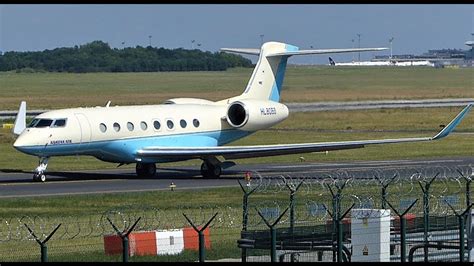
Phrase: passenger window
(59, 123)
(157, 125)
(143, 125)
(130, 126)
(102, 127)
(117, 127)
(183, 123)
(170, 124)
(196, 123)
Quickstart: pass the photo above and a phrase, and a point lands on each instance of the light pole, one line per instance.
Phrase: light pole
(352, 48)
(358, 36)
(149, 40)
(312, 57)
(261, 39)
(391, 40)
(123, 45)
(192, 44)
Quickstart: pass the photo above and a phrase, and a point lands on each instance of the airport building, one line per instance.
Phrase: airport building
(440, 58)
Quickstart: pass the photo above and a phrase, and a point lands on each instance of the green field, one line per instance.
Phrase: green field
(302, 84)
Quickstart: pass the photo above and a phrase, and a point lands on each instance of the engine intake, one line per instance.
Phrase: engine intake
(237, 114)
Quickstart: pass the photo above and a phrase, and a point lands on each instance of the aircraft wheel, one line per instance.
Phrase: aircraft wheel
(210, 171)
(42, 178)
(35, 178)
(146, 169)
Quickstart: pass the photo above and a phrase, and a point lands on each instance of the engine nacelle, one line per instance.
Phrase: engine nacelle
(251, 115)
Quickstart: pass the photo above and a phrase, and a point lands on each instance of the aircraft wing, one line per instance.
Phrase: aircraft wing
(236, 152)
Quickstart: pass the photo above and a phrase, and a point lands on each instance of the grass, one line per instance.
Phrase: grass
(302, 84)
(57, 90)
(81, 238)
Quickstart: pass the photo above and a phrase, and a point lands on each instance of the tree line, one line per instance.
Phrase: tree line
(97, 56)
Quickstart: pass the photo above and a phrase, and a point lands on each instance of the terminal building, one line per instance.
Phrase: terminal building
(440, 58)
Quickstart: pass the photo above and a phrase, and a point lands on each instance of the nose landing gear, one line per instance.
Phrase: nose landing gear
(39, 175)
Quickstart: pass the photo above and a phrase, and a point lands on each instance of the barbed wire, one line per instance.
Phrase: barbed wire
(271, 197)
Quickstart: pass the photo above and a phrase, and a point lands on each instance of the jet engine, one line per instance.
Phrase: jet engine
(251, 115)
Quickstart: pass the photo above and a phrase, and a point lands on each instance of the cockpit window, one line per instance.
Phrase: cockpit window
(41, 123)
(33, 123)
(59, 123)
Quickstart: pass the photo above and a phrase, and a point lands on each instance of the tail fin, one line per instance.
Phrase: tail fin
(267, 77)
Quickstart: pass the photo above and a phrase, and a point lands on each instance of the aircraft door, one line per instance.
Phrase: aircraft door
(85, 131)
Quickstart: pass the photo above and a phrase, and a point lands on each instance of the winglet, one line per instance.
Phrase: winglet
(450, 127)
(20, 121)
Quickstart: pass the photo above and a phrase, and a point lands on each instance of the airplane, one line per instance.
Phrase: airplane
(183, 128)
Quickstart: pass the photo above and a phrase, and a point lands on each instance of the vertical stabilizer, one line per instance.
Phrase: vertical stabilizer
(267, 78)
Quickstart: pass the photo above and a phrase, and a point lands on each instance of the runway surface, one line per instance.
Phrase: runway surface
(20, 184)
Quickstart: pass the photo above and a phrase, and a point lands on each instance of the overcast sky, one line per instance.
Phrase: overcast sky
(416, 28)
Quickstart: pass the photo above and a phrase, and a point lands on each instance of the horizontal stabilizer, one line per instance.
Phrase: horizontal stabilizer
(242, 50)
(300, 52)
(325, 51)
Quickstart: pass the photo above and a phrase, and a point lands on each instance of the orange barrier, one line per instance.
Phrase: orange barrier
(148, 242)
(191, 238)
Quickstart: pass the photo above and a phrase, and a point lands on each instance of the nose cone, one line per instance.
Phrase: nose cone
(23, 144)
(19, 143)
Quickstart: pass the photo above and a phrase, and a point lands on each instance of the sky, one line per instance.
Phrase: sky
(415, 28)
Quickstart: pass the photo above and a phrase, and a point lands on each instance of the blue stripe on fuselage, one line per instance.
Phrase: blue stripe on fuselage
(124, 150)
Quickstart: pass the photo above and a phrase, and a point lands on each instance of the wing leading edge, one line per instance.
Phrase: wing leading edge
(237, 152)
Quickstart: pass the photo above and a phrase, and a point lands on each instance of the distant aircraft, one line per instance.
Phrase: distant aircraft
(183, 128)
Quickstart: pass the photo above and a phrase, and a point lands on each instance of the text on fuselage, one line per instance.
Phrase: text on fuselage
(268, 111)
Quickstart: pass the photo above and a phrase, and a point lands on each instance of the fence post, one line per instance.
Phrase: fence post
(273, 234)
(403, 224)
(202, 247)
(43, 247)
(384, 188)
(462, 248)
(468, 186)
(340, 234)
(124, 236)
(292, 210)
(426, 213)
(245, 214)
(337, 220)
(334, 222)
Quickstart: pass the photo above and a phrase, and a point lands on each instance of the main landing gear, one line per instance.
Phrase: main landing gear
(39, 175)
(210, 170)
(146, 169)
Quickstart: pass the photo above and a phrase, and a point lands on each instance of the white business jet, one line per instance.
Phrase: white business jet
(183, 128)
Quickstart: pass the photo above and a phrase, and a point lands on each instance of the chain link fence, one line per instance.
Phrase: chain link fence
(281, 218)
